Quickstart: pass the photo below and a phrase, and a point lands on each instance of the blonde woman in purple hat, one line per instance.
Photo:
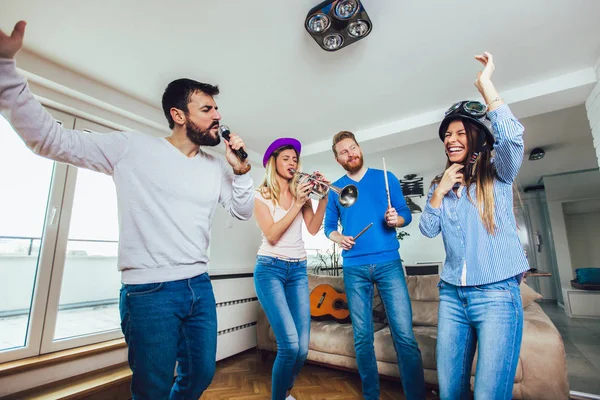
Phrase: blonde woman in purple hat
(280, 276)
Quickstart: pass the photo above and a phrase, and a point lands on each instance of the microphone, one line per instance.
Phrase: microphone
(224, 130)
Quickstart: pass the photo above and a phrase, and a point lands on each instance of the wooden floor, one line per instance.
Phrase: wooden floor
(246, 376)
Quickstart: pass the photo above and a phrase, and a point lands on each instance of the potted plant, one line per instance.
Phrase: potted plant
(401, 234)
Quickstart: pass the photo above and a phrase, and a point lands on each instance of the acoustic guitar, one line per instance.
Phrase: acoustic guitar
(327, 303)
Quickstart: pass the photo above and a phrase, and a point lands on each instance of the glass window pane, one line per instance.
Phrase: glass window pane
(90, 287)
(323, 255)
(24, 188)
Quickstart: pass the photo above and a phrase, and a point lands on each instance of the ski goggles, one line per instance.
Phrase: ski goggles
(471, 108)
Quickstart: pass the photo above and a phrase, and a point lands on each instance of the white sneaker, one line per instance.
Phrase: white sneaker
(290, 397)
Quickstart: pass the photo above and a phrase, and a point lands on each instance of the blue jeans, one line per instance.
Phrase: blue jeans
(389, 278)
(489, 318)
(282, 289)
(167, 322)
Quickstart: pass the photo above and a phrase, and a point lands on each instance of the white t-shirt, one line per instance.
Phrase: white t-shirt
(290, 244)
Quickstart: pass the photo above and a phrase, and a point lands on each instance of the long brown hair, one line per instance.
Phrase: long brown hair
(482, 174)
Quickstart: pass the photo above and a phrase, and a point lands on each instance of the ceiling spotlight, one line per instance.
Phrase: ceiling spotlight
(335, 24)
(345, 9)
(333, 42)
(318, 23)
(358, 29)
(537, 154)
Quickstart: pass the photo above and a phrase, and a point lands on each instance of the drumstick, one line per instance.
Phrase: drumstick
(361, 232)
(387, 185)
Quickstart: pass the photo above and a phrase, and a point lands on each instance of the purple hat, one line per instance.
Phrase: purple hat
(280, 143)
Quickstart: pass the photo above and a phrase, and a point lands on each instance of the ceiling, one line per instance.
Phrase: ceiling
(389, 88)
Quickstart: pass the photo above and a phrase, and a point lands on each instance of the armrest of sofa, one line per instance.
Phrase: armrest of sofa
(263, 342)
(542, 357)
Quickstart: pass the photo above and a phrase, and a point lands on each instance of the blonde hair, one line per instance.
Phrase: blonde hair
(269, 188)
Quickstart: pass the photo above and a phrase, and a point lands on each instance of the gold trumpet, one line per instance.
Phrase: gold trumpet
(319, 189)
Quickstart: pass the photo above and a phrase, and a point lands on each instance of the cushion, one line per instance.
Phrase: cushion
(587, 276)
(425, 335)
(528, 295)
(425, 313)
(332, 337)
(423, 287)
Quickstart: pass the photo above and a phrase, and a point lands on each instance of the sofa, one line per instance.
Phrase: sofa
(541, 373)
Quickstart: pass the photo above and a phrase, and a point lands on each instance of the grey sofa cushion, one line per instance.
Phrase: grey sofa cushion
(425, 335)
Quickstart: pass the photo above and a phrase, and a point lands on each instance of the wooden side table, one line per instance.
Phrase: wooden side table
(535, 283)
(538, 274)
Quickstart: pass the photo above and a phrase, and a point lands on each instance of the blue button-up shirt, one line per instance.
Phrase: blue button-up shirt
(473, 256)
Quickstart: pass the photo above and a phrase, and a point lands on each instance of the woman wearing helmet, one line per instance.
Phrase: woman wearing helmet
(471, 205)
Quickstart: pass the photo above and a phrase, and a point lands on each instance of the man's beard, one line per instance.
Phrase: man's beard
(202, 137)
(355, 167)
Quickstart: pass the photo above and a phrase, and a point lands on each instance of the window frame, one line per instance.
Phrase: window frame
(51, 261)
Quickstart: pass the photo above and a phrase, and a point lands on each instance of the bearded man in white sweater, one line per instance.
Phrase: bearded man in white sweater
(167, 193)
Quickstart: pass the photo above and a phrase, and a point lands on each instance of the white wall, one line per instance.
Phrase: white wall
(70, 92)
(583, 233)
(567, 188)
(535, 206)
(234, 243)
(592, 106)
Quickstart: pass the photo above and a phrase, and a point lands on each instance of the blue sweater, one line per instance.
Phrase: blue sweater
(379, 243)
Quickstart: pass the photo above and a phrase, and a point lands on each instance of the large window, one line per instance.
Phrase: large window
(25, 181)
(58, 250)
(90, 283)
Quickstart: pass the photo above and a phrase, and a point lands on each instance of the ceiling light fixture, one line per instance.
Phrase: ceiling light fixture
(335, 24)
(537, 154)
